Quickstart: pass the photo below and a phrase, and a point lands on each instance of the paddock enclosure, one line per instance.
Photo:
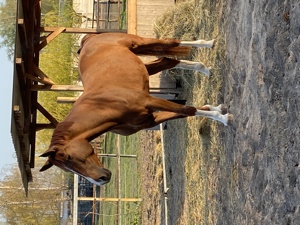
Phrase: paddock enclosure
(244, 174)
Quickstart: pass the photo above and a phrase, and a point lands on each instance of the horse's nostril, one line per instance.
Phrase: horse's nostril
(104, 178)
(108, 173)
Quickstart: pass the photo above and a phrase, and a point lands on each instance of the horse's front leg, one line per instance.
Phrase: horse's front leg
(167, 63)
(163, 116)
(156, 104)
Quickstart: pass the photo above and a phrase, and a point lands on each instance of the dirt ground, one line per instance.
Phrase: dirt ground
(262, 89)
(257, 174)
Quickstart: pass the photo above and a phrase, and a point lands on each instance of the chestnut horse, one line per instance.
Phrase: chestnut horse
(116, 98)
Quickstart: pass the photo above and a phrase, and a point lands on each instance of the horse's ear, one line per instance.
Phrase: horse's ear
(47, 165)
(49, 152)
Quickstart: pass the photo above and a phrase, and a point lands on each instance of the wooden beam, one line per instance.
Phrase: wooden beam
(110, 199)
(44, 78)
(82, 30)
(115, 155)
(37, 79)
(42, 126)
(24, 151)
(66, 99)
(70, 100)
(46, 114)
(50, 37)
(22, 32)
(20, 63)
(57, 88)
(132, 16)
(80, 88)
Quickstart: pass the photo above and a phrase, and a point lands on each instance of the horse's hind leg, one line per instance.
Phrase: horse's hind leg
(198, 43)
(161, 64)
(167, 63)
(190, 65)
(140, 43)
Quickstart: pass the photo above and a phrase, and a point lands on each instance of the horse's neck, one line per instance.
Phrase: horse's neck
(71, 129)
(61, 133)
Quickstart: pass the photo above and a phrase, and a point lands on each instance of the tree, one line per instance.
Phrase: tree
(42, 205)
(8, 25)
(8, 11)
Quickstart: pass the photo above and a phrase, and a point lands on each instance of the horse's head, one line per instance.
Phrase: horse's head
(78, 157)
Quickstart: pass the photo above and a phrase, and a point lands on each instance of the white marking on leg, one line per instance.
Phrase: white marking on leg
(215, 115)
(218, 108)
(213, 108)
(198, 43)
(190, 65)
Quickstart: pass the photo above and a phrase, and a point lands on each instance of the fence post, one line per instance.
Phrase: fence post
(75, 200)
(164, 173)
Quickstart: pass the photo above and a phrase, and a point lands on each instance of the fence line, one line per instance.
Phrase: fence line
(118, 199)
(164, 173)
(119, 210)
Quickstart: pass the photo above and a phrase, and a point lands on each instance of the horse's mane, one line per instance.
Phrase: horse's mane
(58, 136)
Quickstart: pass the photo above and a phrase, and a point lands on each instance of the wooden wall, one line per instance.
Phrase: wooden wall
(143, 13)
(141, 18)
(147, 12)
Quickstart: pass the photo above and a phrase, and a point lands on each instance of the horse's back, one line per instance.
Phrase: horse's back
(105, 64)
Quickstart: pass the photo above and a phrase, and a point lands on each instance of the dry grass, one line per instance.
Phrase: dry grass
(192, 20)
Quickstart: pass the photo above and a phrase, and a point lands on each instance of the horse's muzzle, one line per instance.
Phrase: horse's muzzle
(105, 178)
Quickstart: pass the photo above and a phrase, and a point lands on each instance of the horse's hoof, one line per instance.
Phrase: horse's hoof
(223, 109)
(229, 119)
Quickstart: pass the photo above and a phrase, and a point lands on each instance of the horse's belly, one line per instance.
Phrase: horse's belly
(134, 124)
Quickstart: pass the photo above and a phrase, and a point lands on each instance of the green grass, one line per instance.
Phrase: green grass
(130, 180)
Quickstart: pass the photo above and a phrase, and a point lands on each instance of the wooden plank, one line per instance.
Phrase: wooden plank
(66, 100)
(44, 78)
(57, 88)
(82, 30)
(70, 100)
(34, 78)
(22, 140)
(42, 126)
(162, 83)
(80, 88)
(50, 37)
(158, 3)
(46, 114)
(20, 63)
(147, 13)
(165, 96)
(132, 16)
(110, 199)
(22, 32)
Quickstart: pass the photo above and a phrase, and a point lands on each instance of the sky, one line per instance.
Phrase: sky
(8, 155)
